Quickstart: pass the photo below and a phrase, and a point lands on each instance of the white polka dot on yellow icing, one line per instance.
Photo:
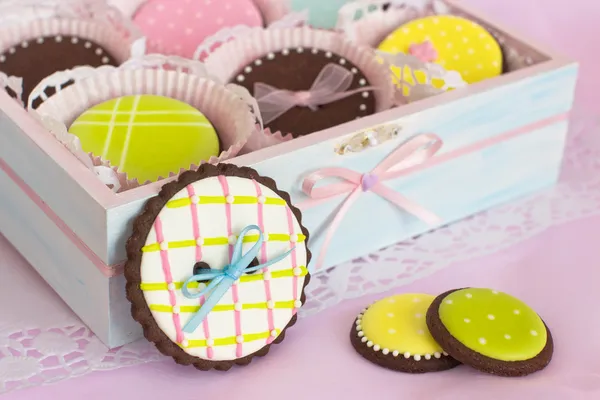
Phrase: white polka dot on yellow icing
(460, 43)
(407, 331)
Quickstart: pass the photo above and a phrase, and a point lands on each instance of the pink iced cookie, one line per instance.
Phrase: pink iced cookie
(177, 27)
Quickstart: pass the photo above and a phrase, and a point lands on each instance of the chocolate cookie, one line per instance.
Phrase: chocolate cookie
(296, 70)
(490, 331)
(36, 59)
(216, 267)
(392, 333)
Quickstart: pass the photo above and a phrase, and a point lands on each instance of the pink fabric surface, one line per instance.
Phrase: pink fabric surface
(556, 273)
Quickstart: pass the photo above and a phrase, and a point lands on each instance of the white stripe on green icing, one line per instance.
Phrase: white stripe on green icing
(494, 324)
(147, 136)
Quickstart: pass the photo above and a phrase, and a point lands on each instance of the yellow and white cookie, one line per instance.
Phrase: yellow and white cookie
(455, 43)
(216, 266)
(393, 333)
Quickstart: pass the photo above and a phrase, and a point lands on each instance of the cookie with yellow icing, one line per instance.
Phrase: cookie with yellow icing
(491, 331)
(147, 136)
(455, 43)
(393, 333)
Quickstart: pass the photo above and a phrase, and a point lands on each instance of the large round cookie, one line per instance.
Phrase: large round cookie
(193, 225)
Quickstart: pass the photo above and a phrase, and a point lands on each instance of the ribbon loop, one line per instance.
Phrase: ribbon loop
(331, 85)
(220, 281)
(411, 153)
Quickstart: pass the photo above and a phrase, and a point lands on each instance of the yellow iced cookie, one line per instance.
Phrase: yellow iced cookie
(147, 136)
(455, 43)
(393, 333)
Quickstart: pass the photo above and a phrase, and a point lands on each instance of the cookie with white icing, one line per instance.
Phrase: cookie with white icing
(393, 334)
(216, 267)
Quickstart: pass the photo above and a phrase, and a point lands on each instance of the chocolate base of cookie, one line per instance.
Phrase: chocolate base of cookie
(478, 361)
(399, 362)
(141, 226)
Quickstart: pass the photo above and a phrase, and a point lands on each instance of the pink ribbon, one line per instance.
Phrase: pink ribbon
(331, 85)
(424, 51)
(413, 152)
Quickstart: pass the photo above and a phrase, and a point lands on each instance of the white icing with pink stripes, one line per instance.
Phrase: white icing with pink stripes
(197, 225)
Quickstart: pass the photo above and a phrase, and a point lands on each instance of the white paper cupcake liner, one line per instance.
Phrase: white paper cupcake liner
(242, 46)
(15, 84)
(228, 113)
(376, 22)
(22, 20)
(111, 178)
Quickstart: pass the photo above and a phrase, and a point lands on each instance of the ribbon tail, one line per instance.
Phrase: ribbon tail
(270, 262)
(272, 102)
(408, 205)
(216, 278)
(341, 213)
(211, 301)
(239, 261)
(332, 78)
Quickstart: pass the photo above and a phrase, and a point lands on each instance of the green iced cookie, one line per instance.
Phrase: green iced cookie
(147, 136)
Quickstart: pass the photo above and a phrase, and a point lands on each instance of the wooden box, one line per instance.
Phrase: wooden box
(503, 138)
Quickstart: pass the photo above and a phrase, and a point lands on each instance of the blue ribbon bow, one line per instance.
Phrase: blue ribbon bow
(222, 280)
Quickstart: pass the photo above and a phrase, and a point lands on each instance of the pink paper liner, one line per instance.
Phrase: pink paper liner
(228, 113)
(251, 44)
(105, 35)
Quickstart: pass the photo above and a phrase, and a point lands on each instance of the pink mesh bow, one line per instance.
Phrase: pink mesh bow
(400, 162)
(424, 51)
(331, 85)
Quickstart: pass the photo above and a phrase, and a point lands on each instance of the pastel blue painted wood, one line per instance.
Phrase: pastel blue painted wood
(460, 123)
(100, 302)
(454, 190)
(51, 182)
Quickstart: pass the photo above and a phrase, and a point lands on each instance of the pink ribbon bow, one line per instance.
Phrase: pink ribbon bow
(410, 154)
(424, 51)
(331, 85)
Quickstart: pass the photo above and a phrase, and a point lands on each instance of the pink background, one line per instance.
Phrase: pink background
(555, 272)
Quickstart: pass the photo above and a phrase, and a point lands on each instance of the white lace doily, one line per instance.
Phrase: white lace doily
(42, 341)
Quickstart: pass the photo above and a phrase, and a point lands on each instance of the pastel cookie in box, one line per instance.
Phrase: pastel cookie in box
(177, 27)
(216, 267)
(455, 43)
(147, 121)
(34, 47)
(147, 136)
(304, 80)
